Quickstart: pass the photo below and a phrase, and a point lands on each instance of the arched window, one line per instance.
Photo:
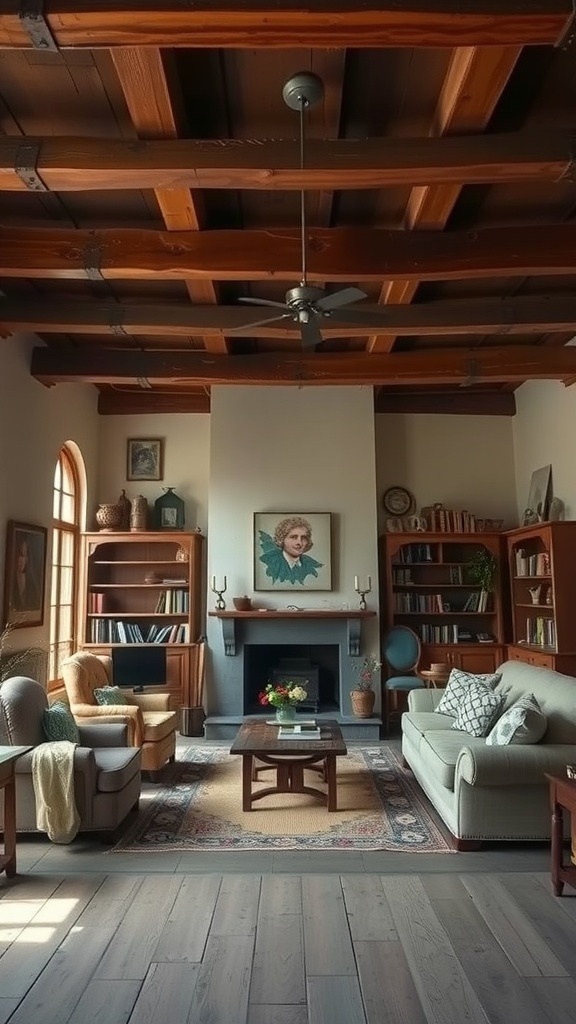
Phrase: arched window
(65, 548)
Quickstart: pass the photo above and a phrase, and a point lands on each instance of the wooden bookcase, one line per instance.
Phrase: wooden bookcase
(542, 567)
(118, 605)
(425, 585)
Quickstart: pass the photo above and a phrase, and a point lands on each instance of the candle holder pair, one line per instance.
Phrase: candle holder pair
(219, 591)
(362, 591)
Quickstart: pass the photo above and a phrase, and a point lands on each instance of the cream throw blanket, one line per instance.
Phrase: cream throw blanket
(53, 779)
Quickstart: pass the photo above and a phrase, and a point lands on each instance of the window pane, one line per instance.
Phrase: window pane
(58, 476)
(65, 623)
(67, 555)
(68, 508)
(66, 585)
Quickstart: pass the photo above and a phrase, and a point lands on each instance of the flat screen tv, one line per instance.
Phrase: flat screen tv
(134, 666)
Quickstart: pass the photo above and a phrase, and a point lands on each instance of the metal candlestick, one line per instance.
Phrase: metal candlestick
(220, 602)
(362, 591)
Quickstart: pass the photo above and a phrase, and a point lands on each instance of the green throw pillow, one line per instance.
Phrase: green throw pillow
(110, 695)
(58, 723)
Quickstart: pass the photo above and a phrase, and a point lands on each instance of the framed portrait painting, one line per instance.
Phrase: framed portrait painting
(292, 551)
(144, 458)
(24, 574)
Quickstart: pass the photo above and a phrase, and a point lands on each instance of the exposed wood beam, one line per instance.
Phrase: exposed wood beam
(293, 23)
(473, 85)
(143, 79)
(335, 254)
(124, 402)
(70, 164)
(523, 315)
(439, 366)
(461, 402)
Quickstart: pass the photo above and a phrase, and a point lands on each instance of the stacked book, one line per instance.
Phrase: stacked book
(304, 730)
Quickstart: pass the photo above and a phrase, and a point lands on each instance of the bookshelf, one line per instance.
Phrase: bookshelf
(425, 582)
(134, 589)
(542, 568)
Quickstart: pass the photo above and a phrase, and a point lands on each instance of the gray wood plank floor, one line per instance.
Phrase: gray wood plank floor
(313, 948)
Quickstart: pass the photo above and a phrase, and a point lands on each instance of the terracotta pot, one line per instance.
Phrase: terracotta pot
(362, 703)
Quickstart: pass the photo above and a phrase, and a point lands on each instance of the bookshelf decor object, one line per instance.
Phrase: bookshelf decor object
(135, 590)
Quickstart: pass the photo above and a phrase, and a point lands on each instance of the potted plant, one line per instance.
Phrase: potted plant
(363, 696)
(284, 697)
(481, 569)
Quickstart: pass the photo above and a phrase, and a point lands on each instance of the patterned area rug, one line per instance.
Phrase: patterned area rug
(199, 807)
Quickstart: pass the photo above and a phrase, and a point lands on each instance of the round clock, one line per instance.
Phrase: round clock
(397, 501)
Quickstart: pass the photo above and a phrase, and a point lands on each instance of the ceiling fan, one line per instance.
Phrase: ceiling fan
(307, 305)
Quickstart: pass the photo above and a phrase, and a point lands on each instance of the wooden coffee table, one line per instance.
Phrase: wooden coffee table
(258, 740)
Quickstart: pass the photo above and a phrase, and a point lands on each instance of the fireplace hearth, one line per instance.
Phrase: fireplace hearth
(314, 666)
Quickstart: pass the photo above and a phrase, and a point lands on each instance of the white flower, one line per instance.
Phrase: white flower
(298, 693)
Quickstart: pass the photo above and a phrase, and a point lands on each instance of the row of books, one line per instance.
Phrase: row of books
(447, 520)
(173, 601)
(118, 631)
(449, 633)
(403, 577)
(414, 553)
(541, 632)
(476, 601)
(532, 565)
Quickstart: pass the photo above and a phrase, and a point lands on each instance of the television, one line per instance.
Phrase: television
(135, 666)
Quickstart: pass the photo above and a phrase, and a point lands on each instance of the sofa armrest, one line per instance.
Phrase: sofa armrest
(128, 714)
(100, 734)
(513, 765)
(151, 701)
(424, 700)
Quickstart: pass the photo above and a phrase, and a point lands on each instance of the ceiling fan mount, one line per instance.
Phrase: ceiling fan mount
(306, 304)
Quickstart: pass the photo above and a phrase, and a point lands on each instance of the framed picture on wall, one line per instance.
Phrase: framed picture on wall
(24, 574)
(144, 458)
(292, 551)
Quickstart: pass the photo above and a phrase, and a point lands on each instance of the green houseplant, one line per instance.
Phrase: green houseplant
(362, 696)
(481, 569)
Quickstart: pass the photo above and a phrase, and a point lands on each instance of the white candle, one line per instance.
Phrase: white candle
(355, 583)
(369, 583)
(213, 583)
(224, 587)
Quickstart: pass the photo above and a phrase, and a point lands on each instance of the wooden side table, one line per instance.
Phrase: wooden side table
(562, 797)
(434, 679)
(8, 758)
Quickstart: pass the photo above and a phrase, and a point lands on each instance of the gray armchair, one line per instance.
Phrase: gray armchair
(106, 771)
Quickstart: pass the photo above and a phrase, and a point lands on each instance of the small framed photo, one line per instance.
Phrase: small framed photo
(145, 458)
(292, 551)
(24, 574)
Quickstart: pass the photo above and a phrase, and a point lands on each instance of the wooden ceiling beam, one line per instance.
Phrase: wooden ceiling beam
(138, 402)
(521, 315)
(474, 83)
(425, 367)
(335, 254)
(143, 79)
(80, 164)
(459, 402)
(289, 23)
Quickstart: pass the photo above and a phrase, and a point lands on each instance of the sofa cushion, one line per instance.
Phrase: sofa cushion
(415, 725)
(439, 750)
(479, 710)
(457, 686)
(158, 725)
(521, 723)
(109, 695)
(58, 723)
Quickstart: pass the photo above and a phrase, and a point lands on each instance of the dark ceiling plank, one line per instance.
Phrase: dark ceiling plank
(335, 254)
(474, 83)
(426, 367)
(522, 315)
(124, 402)
(462, 402)
(70, 164)
(143, 78)
(293, 23)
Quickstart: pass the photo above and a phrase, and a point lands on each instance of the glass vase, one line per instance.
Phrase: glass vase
(286, 715)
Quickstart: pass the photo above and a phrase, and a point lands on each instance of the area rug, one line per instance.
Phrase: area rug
(199, 807)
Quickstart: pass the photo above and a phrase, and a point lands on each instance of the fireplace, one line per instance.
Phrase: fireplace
(255, 645)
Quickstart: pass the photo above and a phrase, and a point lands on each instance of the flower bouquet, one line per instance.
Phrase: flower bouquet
(284, 697)
(368, 669)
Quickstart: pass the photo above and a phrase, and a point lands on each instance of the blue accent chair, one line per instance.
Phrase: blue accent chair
(401, 653)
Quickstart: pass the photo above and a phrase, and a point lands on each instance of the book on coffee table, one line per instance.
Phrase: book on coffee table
(301, 730)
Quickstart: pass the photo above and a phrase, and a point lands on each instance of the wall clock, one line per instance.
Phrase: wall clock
(397, 501)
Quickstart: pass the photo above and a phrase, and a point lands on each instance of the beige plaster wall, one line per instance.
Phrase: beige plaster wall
(544, 429)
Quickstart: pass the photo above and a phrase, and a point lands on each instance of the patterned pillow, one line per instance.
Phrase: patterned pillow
(457, 687)
(479, 710)
(110, 695)
(58, 723)
(522, 723)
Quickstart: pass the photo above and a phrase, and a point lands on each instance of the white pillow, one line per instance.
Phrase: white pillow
(479, 710)
(457, 687)
(522, 723)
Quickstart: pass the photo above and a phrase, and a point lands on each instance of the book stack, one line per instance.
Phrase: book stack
(305, 730)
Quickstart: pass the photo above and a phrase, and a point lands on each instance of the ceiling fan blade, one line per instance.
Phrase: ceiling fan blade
(260, 323)
(263, 302)
(341, 298)
(310, 333)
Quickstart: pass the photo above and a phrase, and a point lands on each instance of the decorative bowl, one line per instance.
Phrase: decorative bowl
(242, 604)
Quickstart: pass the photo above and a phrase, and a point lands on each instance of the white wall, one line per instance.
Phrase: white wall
(35, 421)
(544, 429)
(463, 462)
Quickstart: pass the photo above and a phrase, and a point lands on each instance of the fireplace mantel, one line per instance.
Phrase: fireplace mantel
(232, 618)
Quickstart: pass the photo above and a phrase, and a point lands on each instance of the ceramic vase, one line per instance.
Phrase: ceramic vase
(108, 517)
(286, 715)
(139, 514)
(125, 505)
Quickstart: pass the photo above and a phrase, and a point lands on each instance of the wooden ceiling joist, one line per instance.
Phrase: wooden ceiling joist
(292, 23)
(521, 315)
(80, 164)
(335, 254)
(456, 402)
(139, 402)
(440, 366)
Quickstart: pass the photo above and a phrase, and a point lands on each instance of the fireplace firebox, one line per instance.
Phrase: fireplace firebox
(314, 666)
